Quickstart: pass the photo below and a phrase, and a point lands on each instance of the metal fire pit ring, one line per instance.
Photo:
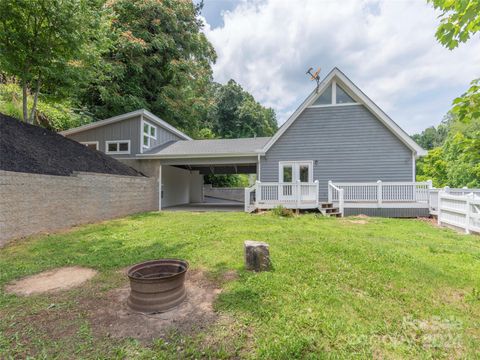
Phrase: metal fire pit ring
(157, 285)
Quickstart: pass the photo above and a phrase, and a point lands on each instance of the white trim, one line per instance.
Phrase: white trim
(295, 166)
(141, 134)
(141, 112)
(334, 92)
(90, 143)
(333, 105)
(118, 147)
(349, 86)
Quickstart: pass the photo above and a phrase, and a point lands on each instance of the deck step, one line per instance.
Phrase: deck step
(326, 205)
(330, 211)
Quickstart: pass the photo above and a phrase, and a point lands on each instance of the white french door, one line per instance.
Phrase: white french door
(290, 173)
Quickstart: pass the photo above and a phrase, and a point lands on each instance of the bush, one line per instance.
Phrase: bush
(281, 211)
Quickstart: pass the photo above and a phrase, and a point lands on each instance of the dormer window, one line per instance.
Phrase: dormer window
(149, 134)
(333, 95)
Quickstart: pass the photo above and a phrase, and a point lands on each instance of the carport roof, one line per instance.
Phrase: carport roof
(216, 147)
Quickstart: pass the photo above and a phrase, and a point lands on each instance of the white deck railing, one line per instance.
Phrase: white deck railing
(460, 211)
(457, 211)
(250, 198)
(380, 192)
(267, 195)
(334, 192)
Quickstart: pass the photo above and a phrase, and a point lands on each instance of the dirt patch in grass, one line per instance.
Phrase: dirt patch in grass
(230, 275)
(110, 316)
(51, 281)
(357, 219)
(429, 220)
(90, 314)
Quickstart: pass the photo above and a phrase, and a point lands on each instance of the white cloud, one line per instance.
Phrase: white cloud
(387, 48)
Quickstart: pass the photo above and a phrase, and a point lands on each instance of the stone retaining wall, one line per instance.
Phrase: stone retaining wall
(33, 203)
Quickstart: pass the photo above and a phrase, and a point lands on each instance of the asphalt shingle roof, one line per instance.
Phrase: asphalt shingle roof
(210, 147)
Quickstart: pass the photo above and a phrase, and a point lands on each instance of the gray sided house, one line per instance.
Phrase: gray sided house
(338, 148)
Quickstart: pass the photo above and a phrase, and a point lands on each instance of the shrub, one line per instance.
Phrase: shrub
(281, 211)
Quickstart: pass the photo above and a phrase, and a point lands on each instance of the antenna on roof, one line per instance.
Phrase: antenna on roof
(314, 76)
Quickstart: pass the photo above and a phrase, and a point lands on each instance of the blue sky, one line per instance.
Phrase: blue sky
(388, 48)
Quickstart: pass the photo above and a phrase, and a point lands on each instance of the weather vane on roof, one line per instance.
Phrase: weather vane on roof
(314, 76)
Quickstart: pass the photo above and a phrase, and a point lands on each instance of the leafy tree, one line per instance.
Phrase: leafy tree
(160, 61)
(467, 106)
(49, 44)
(433, 167)
(237, 114)
(460, 19)
(240, 180)
(434, 136)
(54, 114)
(456, 162)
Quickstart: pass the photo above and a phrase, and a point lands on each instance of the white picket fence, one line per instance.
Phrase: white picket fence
(460, 211)
(433, 196)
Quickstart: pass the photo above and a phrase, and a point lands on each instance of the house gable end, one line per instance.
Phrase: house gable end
(334, 78)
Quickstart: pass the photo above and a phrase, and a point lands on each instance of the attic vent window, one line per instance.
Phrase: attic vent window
(343, 97)
(333, 95)
(325, 98)
(149, 133)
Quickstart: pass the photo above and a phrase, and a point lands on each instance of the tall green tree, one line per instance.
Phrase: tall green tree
(49, 44)
(433, 136)
(160, 61)
(237, 114)
(457, 161)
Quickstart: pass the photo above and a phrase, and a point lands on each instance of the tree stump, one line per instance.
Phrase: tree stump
(257, 255)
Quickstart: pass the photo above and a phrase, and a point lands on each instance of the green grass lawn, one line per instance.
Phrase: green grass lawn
(388, 288)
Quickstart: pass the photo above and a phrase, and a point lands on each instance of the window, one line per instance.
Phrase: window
(118, 147)
(287, 173)
(343, 97)
(294, 171)
(304, 171)
(93, 145)
(325, 98)
(149, 133)
(333, 95)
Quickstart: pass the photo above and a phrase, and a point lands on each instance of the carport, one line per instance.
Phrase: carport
(182, 165)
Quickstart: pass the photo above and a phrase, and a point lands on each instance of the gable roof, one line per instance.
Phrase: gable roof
(206, 148)
(362, 98)
(142, 112)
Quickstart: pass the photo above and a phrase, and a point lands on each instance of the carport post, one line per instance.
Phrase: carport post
(160, 187)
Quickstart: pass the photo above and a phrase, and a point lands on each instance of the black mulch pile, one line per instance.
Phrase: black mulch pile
(32, 149)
